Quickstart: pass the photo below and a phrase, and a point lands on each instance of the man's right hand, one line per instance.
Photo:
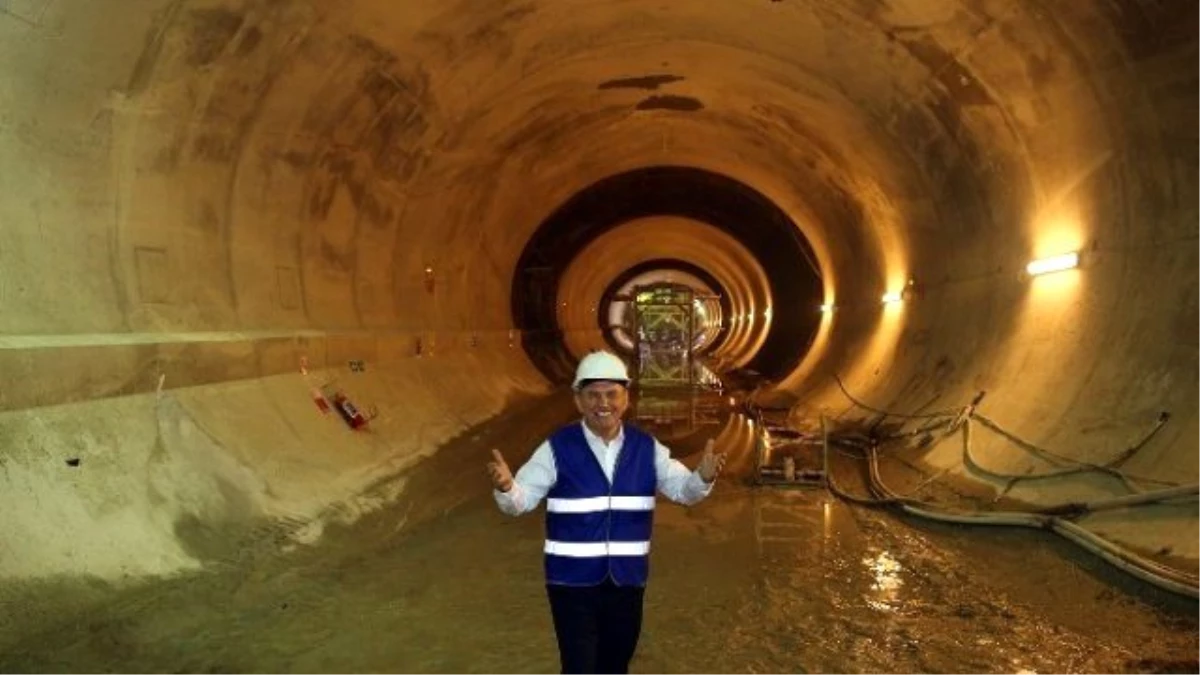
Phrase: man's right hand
(502, 478)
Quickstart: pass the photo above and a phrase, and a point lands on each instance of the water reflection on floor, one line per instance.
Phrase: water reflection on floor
(676, 413)
(752, 580)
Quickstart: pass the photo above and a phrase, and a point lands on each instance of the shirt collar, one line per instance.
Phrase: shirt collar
(593, 438)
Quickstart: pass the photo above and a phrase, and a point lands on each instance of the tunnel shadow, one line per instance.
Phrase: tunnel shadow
(729, 205)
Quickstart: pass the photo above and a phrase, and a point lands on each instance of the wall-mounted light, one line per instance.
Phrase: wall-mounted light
(1056, 263)
(892, 297)
(430, 280)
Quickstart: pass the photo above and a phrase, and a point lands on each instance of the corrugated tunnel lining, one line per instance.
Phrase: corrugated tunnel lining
(666, 264)
(774, 240)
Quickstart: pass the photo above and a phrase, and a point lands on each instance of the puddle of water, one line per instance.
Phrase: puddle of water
(886, 582)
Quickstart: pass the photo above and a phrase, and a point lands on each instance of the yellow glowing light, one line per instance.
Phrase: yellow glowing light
(827, 307)
(1056, 263)
(891, 297)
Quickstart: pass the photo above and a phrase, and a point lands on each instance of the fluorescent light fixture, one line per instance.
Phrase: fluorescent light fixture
(1056, 263)
(891, 297)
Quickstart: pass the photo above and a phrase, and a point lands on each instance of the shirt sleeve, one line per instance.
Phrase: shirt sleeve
(676, 481)
(530, 485)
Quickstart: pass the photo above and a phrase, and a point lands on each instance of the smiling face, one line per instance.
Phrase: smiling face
(602, 404)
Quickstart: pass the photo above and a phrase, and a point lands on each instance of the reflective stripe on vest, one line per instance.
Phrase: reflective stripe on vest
(593, 504)
(596, 549)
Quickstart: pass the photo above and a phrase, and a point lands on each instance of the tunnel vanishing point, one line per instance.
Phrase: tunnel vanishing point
(210, 208)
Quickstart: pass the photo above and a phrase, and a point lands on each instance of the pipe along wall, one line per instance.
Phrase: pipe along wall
(210, 208)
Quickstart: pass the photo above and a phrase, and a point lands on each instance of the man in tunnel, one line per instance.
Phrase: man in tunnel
(599, 476)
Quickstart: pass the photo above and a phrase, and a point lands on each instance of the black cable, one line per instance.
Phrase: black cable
(922, 416)
(1129, 452)
(1108, 468)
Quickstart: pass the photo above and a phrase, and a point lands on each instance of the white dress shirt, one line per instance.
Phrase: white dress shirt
(538, 475)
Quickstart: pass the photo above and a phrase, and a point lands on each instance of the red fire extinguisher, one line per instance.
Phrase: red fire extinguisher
(349, 412)
(329, 396)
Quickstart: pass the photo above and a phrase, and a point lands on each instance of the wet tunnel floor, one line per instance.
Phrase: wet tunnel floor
(752, 580)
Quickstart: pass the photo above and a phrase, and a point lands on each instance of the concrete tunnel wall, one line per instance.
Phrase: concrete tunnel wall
(199, 194)
(567, 240)
(606, 257)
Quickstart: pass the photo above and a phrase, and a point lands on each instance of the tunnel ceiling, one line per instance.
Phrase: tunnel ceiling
(770, 236)
(423, 172)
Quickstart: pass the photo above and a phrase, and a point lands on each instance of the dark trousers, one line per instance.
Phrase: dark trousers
(597, 626)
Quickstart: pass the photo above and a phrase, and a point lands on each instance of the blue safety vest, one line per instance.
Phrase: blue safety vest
(593, 529)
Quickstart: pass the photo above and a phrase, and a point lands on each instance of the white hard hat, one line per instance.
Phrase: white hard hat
(601, 366)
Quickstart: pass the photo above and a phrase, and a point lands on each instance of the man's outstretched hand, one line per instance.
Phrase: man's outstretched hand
(711, 463)
(502, 478)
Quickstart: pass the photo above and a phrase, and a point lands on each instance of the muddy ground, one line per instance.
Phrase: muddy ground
(751, 580)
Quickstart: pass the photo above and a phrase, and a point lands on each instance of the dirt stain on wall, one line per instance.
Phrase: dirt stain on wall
(670, 102)
(647, 82)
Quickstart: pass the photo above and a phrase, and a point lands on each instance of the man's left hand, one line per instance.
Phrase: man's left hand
(711, 463)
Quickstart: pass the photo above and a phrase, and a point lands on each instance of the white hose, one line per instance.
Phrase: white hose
(970, 461)
(1143, 498)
